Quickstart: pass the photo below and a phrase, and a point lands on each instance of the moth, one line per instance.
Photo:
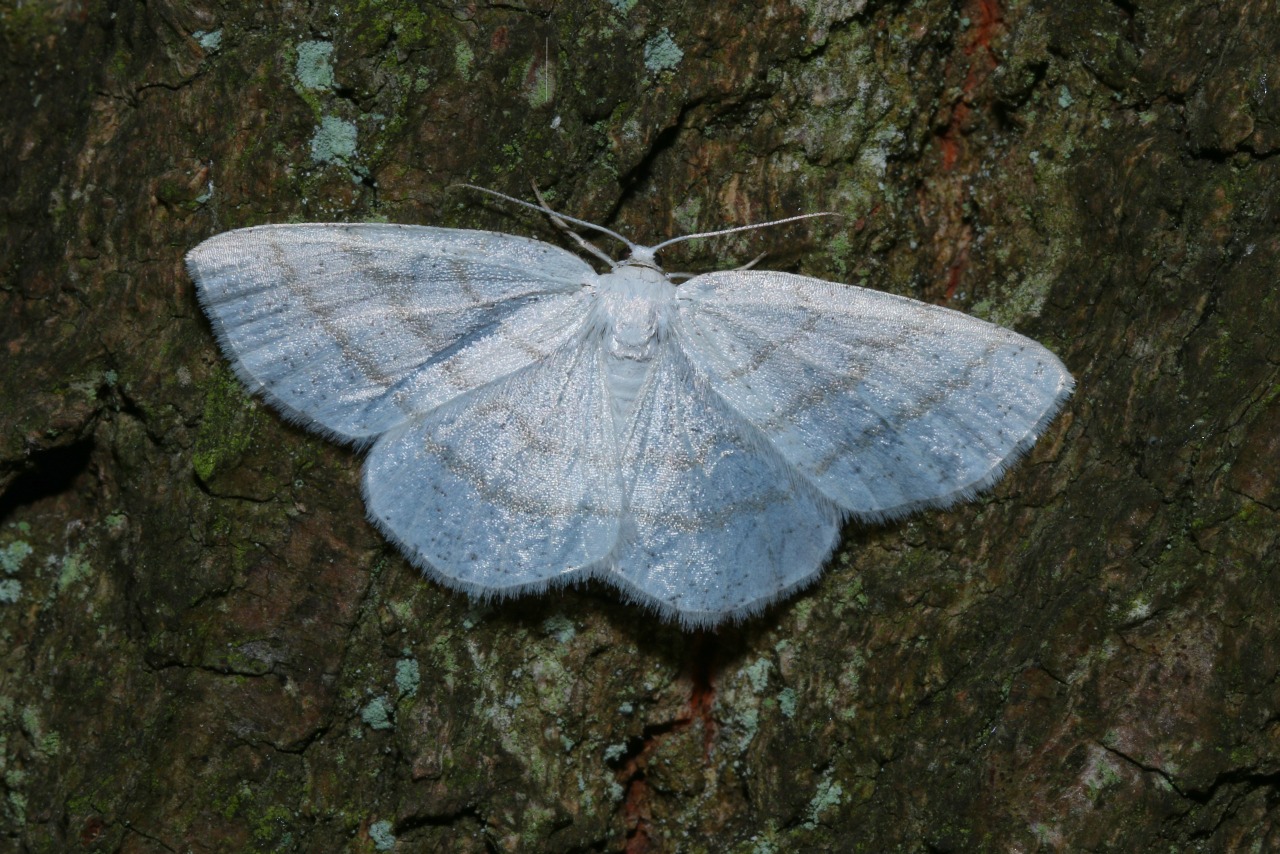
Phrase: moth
(532, 422)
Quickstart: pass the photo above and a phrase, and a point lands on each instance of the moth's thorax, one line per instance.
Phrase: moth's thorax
(633, 305)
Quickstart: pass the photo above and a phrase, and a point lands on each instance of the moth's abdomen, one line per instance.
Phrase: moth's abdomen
(631, 317)
(624, 378)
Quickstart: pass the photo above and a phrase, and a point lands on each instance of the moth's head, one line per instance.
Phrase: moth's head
(642, 256)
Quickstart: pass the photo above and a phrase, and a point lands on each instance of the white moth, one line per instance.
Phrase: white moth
(534, 422)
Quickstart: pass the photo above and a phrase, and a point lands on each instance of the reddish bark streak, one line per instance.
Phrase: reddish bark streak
(956, 270)
(635, 807)
(947, 198)
(949, 139)
(986, 18)
(702, 695)
(862, 220)
(93, 830)
(500, 40)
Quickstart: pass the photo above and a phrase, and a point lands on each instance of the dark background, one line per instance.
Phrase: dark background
(205, 646)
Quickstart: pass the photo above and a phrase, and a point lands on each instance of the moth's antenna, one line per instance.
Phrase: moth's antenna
(565, 217)
(743, 228)
(558, 221)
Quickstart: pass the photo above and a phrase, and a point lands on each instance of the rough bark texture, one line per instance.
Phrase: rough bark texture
(207, 648)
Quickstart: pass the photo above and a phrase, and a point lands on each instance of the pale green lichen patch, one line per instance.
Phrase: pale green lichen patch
(742, 704)
(377, 713)
(46, 742)
(787, 702)
(757, 674)
(1139, 609)
(408, 677)
(828, 796)
(445, 661)
(747, 722)
(72, 569)
(661, 53)
(12, 556)
(686, 215)
(761, 844)
(476, 614)
(559, 627)
(553, 683)
(841, 251)
(824, 14)
(1018, 300)
(622, 7)
(382, 835)
(848, 118)
(842, 696)
(463, 59)
(334, 141)
(314, 68)
(10, 591)
(209, 41)
(1100, 774)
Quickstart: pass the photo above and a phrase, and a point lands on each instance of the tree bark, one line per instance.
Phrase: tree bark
(206, 647)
